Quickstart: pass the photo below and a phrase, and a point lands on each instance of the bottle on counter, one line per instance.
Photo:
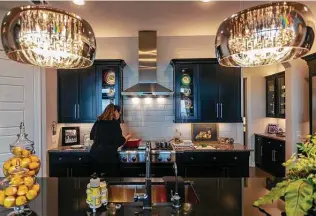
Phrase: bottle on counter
(94, 193)
(104, 193)
(177, 137)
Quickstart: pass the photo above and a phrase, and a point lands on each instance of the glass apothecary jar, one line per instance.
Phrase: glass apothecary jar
(17, 190)
(24, 155)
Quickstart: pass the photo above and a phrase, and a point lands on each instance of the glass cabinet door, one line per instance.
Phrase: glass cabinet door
(108, 87)
(280, 81)
(271, 97)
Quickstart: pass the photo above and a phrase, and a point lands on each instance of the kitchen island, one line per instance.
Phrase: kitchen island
(204, 196)
(221, 161)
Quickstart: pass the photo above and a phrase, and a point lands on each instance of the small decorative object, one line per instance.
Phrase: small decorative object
(187, 103)
(109, 78)
(298, 188)
(205, 132)
(265, 34)
(20, 186)
(54, 126)
(186, 91)
(177, 137)
(48, 37)
(185, 80)
(273, 128)
(111, 92)
(70, 136)
(97, 193)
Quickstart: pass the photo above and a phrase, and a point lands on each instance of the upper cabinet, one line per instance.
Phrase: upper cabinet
(275, 95)
(84, 93)
(204, 91)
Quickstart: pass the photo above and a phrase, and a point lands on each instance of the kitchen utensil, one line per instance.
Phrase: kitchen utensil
(132, 143)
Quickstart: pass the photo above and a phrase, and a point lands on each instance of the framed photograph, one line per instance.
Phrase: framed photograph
(202, 132)
(70, 136)
(273, 128)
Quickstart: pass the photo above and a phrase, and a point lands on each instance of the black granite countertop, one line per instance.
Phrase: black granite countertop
(272, 136)
(216, 197)
(68, 149)
(215, 148)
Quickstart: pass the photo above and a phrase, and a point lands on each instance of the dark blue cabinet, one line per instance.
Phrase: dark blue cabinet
(83, 94)
(212, 94)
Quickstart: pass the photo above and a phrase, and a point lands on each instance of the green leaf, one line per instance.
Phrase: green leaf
(298, 198)
(274, 194)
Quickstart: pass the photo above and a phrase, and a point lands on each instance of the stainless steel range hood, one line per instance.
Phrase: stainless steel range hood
(147, 56)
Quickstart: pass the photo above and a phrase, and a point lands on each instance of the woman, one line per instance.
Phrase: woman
(107, 135)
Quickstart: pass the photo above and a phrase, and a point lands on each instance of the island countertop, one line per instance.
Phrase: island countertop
(215, 148)
(216, 196)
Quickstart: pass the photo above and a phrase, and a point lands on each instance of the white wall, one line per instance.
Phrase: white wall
(154, 120)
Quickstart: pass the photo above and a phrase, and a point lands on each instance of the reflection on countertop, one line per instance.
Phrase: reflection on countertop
(217, 196)
(272, 136)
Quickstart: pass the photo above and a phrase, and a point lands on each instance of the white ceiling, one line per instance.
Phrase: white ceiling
(179, 18)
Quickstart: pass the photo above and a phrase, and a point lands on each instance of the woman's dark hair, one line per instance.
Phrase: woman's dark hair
(108, 112)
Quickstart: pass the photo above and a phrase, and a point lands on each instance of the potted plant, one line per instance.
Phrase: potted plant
(299, 186)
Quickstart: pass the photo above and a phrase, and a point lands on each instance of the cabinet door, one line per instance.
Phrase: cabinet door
(67, 96)
(280, 96)
(278, 158)
(270, 96)
(80, 170)
(86, 108)
(186, 93)
(258, 150)
(267, 154)
(59, 170)
(229, 80)
(208, 93)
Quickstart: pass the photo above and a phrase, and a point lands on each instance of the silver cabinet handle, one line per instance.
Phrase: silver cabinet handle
(216, 110)
(261, 151)
(78, 116)
(75, 111)
(70, 172)
(221, 110)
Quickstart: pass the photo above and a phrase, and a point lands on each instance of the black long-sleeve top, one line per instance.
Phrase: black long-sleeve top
(107, 136)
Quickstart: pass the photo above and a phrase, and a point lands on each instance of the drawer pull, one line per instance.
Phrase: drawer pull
(214, 158)
(80, 158)
(235, 158)
(60, 159)
(192, 158)
(269, 142)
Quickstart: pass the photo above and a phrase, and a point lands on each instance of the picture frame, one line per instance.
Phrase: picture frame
(70, 136)
(273, 128)
(204, 132)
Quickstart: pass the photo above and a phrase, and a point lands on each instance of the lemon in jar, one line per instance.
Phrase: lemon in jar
(31, 194)
(15, 161)
(7, 165)
(9, 201)
(34, 158)
(25, 162)
(34, 165)
(16, 180)
(2, 197)
(25, 153)
(20, 200)
(36, 187)
(10, 191)
(22, 190)
(29, 181)
(17, 150)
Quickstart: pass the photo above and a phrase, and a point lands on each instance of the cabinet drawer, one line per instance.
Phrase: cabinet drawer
(215, 157)
(69, 158)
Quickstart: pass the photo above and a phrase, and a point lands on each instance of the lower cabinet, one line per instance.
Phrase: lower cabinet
(215, 164)
(270, 155)
(64, 164)
(139, 170)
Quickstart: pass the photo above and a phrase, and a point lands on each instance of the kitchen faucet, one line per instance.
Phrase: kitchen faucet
(146, 197)
(175, 198)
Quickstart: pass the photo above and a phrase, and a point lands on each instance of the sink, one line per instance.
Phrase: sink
(124, 193)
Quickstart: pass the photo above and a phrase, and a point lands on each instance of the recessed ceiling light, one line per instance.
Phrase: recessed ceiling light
(206, 1)
(78, 2)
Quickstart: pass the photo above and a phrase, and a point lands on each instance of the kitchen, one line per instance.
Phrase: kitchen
(72, 99)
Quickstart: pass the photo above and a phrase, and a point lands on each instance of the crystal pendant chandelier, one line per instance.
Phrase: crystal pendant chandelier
(48, 37)
(265, 34)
